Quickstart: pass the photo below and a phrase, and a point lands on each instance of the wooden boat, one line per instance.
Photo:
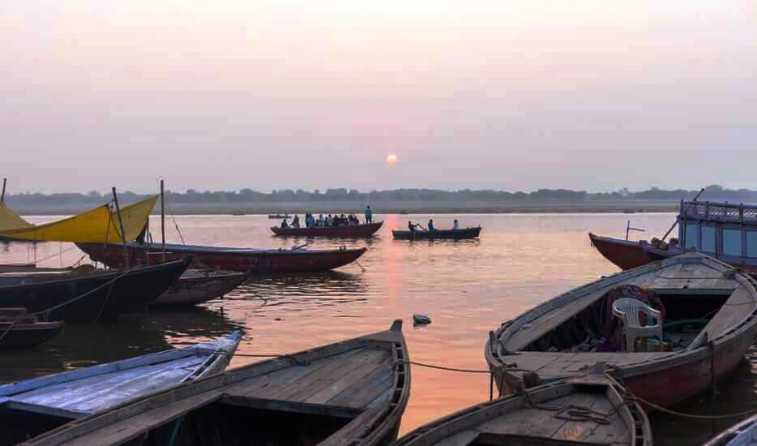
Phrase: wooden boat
(343, 231)
(742, 434)
(31, 407)
(193, 287)
(438, 234)
(198, 286)
(352, 392)
(18, 329)
(254, 261)
(721, 230)
(709, 323)
(88, 297)
(591, 411)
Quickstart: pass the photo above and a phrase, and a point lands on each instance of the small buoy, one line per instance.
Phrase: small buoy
(421, 319)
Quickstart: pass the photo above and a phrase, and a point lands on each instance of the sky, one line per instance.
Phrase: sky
(512, 95)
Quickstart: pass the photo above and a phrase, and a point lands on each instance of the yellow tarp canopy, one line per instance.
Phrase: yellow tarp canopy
(11, 220)
(98, 225)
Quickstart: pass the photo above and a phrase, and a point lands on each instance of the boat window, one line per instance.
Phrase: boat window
(732, 242)
(692, 235)
(708, 238)
(751, 244)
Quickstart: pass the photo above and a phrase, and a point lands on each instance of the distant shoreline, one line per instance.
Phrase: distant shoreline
(559, 207)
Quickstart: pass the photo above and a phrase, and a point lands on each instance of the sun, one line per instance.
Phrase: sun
(391, 160)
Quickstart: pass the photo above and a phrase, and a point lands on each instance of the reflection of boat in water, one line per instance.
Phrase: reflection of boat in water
(315, 286)
(18, 329)
(34, 406)
(83, 345)
(352, 392)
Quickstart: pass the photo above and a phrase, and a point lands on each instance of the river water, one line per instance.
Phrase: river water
(467, 287)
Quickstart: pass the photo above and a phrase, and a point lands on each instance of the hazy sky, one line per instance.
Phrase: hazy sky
(592, 95)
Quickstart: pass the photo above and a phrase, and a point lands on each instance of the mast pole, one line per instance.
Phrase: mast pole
(675, 223)
(121, 226)
(163, 220)
(2, 196)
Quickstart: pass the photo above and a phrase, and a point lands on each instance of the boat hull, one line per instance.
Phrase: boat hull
(444, 234)
(345, 231)
(96, 296)
(244, 260)
(624, 254)
(627, 254)
(194, 288)
(23, 335)
(667, 383)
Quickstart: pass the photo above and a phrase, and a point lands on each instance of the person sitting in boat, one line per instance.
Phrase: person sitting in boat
(296, 221)
(412, 227)
(320, 220)
(368, 214)
(455, 225)
(284, 224)
(329, 220)
(430, 226)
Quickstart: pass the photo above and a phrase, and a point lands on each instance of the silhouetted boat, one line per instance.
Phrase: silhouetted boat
(257, 261)
(437, 234)
(743, 433)
(721, 230)
(343, 231)
(34, 406)
(198, 286)
(578, 411)
(347, 393)
(89, 296)
(709, 321)
(18, 329)
(279, 216)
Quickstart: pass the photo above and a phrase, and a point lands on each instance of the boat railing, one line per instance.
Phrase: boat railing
(722, 212)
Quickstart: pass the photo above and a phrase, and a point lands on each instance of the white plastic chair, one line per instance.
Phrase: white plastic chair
(628, 309)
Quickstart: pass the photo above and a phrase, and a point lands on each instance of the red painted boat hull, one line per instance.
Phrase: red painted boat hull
(346, 231)
(253, 261)
(625, 254)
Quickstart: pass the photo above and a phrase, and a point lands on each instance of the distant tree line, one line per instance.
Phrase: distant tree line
(192, 196)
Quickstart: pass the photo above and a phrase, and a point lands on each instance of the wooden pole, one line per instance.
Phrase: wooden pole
(121, 226)
(676, 222)
(2, 196)
(163, 220)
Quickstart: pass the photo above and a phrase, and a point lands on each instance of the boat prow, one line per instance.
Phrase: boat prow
(564, 412)
(34, 406)
(352, 392)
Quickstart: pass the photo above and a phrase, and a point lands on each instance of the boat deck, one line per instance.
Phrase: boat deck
(538, 424)
(353, 384)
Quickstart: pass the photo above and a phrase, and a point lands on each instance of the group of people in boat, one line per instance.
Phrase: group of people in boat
(429, 226)
(310, 221)
(329, 220)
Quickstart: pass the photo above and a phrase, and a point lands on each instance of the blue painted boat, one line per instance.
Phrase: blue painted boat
(34, 406)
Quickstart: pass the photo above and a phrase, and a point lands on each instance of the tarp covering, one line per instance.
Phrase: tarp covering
(11, 220)
(98, 225)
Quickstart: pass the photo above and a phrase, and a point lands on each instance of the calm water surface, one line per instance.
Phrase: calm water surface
(468, 288)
